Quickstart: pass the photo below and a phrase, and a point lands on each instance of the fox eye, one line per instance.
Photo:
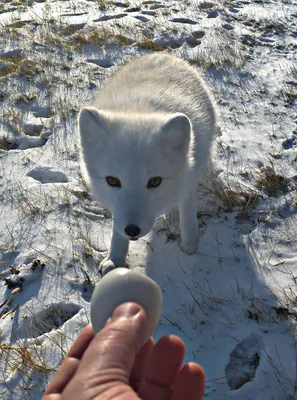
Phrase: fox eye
(154, 182)
(113, 181)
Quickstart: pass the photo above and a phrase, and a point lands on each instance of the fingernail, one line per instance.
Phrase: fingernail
(126, 310)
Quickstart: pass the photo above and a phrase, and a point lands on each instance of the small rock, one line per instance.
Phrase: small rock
(37, 264)
(14, 270)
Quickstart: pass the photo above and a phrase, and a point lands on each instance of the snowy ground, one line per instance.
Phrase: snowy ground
(235, 301)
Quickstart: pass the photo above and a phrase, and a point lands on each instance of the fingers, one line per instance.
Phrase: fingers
(70, 364)
(140, 364)
(103, 365)
(107, 363)
(82, 342)
(65, 373)
(163, 366)
(189, 383)
(52, 397)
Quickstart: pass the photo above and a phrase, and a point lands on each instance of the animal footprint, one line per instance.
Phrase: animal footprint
(244, 361)
(51, 317)
(42, 112)
(109, 17)
(103, 63)
(289, 143)
(47, 175)
(183, 20)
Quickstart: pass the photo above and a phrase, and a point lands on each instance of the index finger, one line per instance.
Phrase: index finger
(82, 342)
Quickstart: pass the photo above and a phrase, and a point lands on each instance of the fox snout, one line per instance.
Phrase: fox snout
(132, 231)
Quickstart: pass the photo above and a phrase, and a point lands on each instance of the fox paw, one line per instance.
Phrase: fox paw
(189, 248)
(108, 265)
(172, 217)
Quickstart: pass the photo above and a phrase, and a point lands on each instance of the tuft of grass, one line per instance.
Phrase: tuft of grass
(220, 51)
(102, 5)
(19, 356)
(103, 37)
(26, 98)
(17, 24)
(10, 64)
(11, 119)
(70, 30)
(17, 64)
(149, 44)
(122, 40)
(230, 196)
(249, 200)
(7, 144)
(26, 206)
(22, 358)
(29, 358)
(271, 182)
(11, 5)
(74, 38)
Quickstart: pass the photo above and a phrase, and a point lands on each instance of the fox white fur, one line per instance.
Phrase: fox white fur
(153, 118)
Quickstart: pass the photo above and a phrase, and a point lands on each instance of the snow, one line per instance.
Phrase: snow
(234, 302)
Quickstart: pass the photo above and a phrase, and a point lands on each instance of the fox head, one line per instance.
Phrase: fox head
(135, 163)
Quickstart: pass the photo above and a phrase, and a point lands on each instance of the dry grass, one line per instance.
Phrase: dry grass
(149, 44)
(60, 38)
(21, 358)
(75, 38)
(10, 64)
(271, 182)
(230, 196)
(29, 359)
(7, 143)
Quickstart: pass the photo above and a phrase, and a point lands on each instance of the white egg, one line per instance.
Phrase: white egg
(123, 285)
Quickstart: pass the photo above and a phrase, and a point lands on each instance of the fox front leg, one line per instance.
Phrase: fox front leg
(117, 253)
(189, 225)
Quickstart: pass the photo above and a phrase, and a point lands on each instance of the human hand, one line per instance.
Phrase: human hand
(113, 365)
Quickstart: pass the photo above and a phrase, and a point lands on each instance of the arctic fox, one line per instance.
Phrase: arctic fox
(144, 146)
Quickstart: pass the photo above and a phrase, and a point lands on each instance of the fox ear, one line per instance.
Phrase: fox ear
(91, 123)
(176, 134)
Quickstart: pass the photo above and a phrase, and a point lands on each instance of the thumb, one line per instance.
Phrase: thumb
(107, 363)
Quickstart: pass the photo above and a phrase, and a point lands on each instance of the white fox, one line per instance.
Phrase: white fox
(145, 145)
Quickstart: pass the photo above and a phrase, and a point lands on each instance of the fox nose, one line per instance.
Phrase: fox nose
(132, 230)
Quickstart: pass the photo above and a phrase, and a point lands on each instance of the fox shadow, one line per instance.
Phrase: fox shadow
(220, 304)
